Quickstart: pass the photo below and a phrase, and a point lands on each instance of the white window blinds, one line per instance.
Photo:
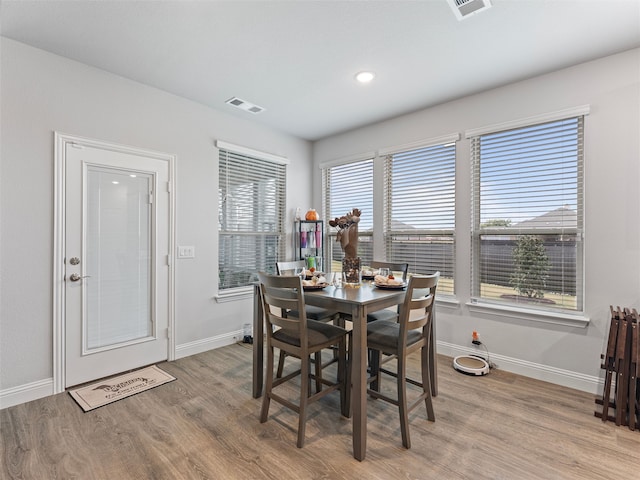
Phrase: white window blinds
(252, 202)
(420, 211)
(346, 187)
(528, 215)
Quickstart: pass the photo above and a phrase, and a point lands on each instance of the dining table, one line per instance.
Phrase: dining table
(357, 302)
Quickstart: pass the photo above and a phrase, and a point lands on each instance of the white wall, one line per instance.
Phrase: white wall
(611, 86)
(42, 93)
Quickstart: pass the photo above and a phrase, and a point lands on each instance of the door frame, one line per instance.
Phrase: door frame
(61, 141)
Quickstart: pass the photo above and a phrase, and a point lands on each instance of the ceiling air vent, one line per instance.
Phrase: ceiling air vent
(244, 105)
(467, 8)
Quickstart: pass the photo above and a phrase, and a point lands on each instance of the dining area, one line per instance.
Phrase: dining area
(370, 324)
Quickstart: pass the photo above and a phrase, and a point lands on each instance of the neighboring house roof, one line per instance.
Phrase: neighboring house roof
(398, 225)
(560, 217)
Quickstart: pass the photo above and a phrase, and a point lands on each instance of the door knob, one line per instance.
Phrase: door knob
(74, 277)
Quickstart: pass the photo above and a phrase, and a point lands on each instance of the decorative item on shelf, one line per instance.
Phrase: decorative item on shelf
(347, 226)
(311, 215)
(319, 235)
(314, 263)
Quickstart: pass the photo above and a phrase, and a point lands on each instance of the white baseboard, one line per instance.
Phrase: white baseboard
(44, 388)
(206, 344)
(26, 393)
(559, 376)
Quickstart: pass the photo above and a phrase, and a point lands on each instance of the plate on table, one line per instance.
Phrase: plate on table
(391, 287)
(318, 286)
(309, 275)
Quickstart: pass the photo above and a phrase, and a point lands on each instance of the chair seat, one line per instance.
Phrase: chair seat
(389, 315)
(316, 313)
(385, 333)
(317, 333)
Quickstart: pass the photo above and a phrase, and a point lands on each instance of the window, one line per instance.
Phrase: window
(527, 218)
(251, 196)
(346, 187)
(420, 210)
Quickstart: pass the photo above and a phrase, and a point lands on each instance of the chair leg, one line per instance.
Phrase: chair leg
(426, 382)
(402, 401)
(266, 396)
(375, 357)
(304, 395)
(338, 321)
(344, 377)
(318, 361)
(280, 364)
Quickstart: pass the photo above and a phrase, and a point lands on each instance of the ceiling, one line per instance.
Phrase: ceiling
(297, 59)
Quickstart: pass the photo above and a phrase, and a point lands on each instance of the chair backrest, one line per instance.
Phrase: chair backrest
(417, 309)
(283, 293)
(287, 268)
(393, 267)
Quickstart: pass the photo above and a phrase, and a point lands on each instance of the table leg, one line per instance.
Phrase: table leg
(359, 376)
(258, 342)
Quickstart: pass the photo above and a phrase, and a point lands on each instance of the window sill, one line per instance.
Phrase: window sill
(234, 294)
(545, 316)
(447, 301)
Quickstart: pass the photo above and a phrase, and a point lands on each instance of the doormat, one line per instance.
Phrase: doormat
(113, 389)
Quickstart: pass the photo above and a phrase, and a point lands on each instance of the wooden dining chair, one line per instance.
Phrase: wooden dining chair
(398, 340)
(314, 313)
(318, 314)
(390, 313)
(287, 268)
(299, 337)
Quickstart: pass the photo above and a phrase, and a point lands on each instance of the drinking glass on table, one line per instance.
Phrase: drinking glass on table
(384, 272)
(299, 272)
(336, 279)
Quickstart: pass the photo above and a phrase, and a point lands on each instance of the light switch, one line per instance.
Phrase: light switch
(186, 252)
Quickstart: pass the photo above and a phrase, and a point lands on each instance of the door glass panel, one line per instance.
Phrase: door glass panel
(118, 233)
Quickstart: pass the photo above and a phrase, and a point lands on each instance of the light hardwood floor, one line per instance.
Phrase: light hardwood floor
(205, 426)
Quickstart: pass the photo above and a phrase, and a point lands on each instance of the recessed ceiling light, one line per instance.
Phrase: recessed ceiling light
(365, 77)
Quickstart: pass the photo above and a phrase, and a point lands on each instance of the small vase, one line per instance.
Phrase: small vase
(311, 215)
(351, 271)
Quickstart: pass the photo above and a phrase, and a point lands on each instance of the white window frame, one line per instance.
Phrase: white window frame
(534, 312)
(433, 162)
(365, 231)
(278, 164)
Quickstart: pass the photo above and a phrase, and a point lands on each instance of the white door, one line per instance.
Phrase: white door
(116, 256)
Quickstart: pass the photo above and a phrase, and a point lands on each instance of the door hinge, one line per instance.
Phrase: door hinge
(168, 260)
(150, 198)
(168, 187)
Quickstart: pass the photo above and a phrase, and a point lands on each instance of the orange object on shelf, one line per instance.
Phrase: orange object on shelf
(311, 215)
